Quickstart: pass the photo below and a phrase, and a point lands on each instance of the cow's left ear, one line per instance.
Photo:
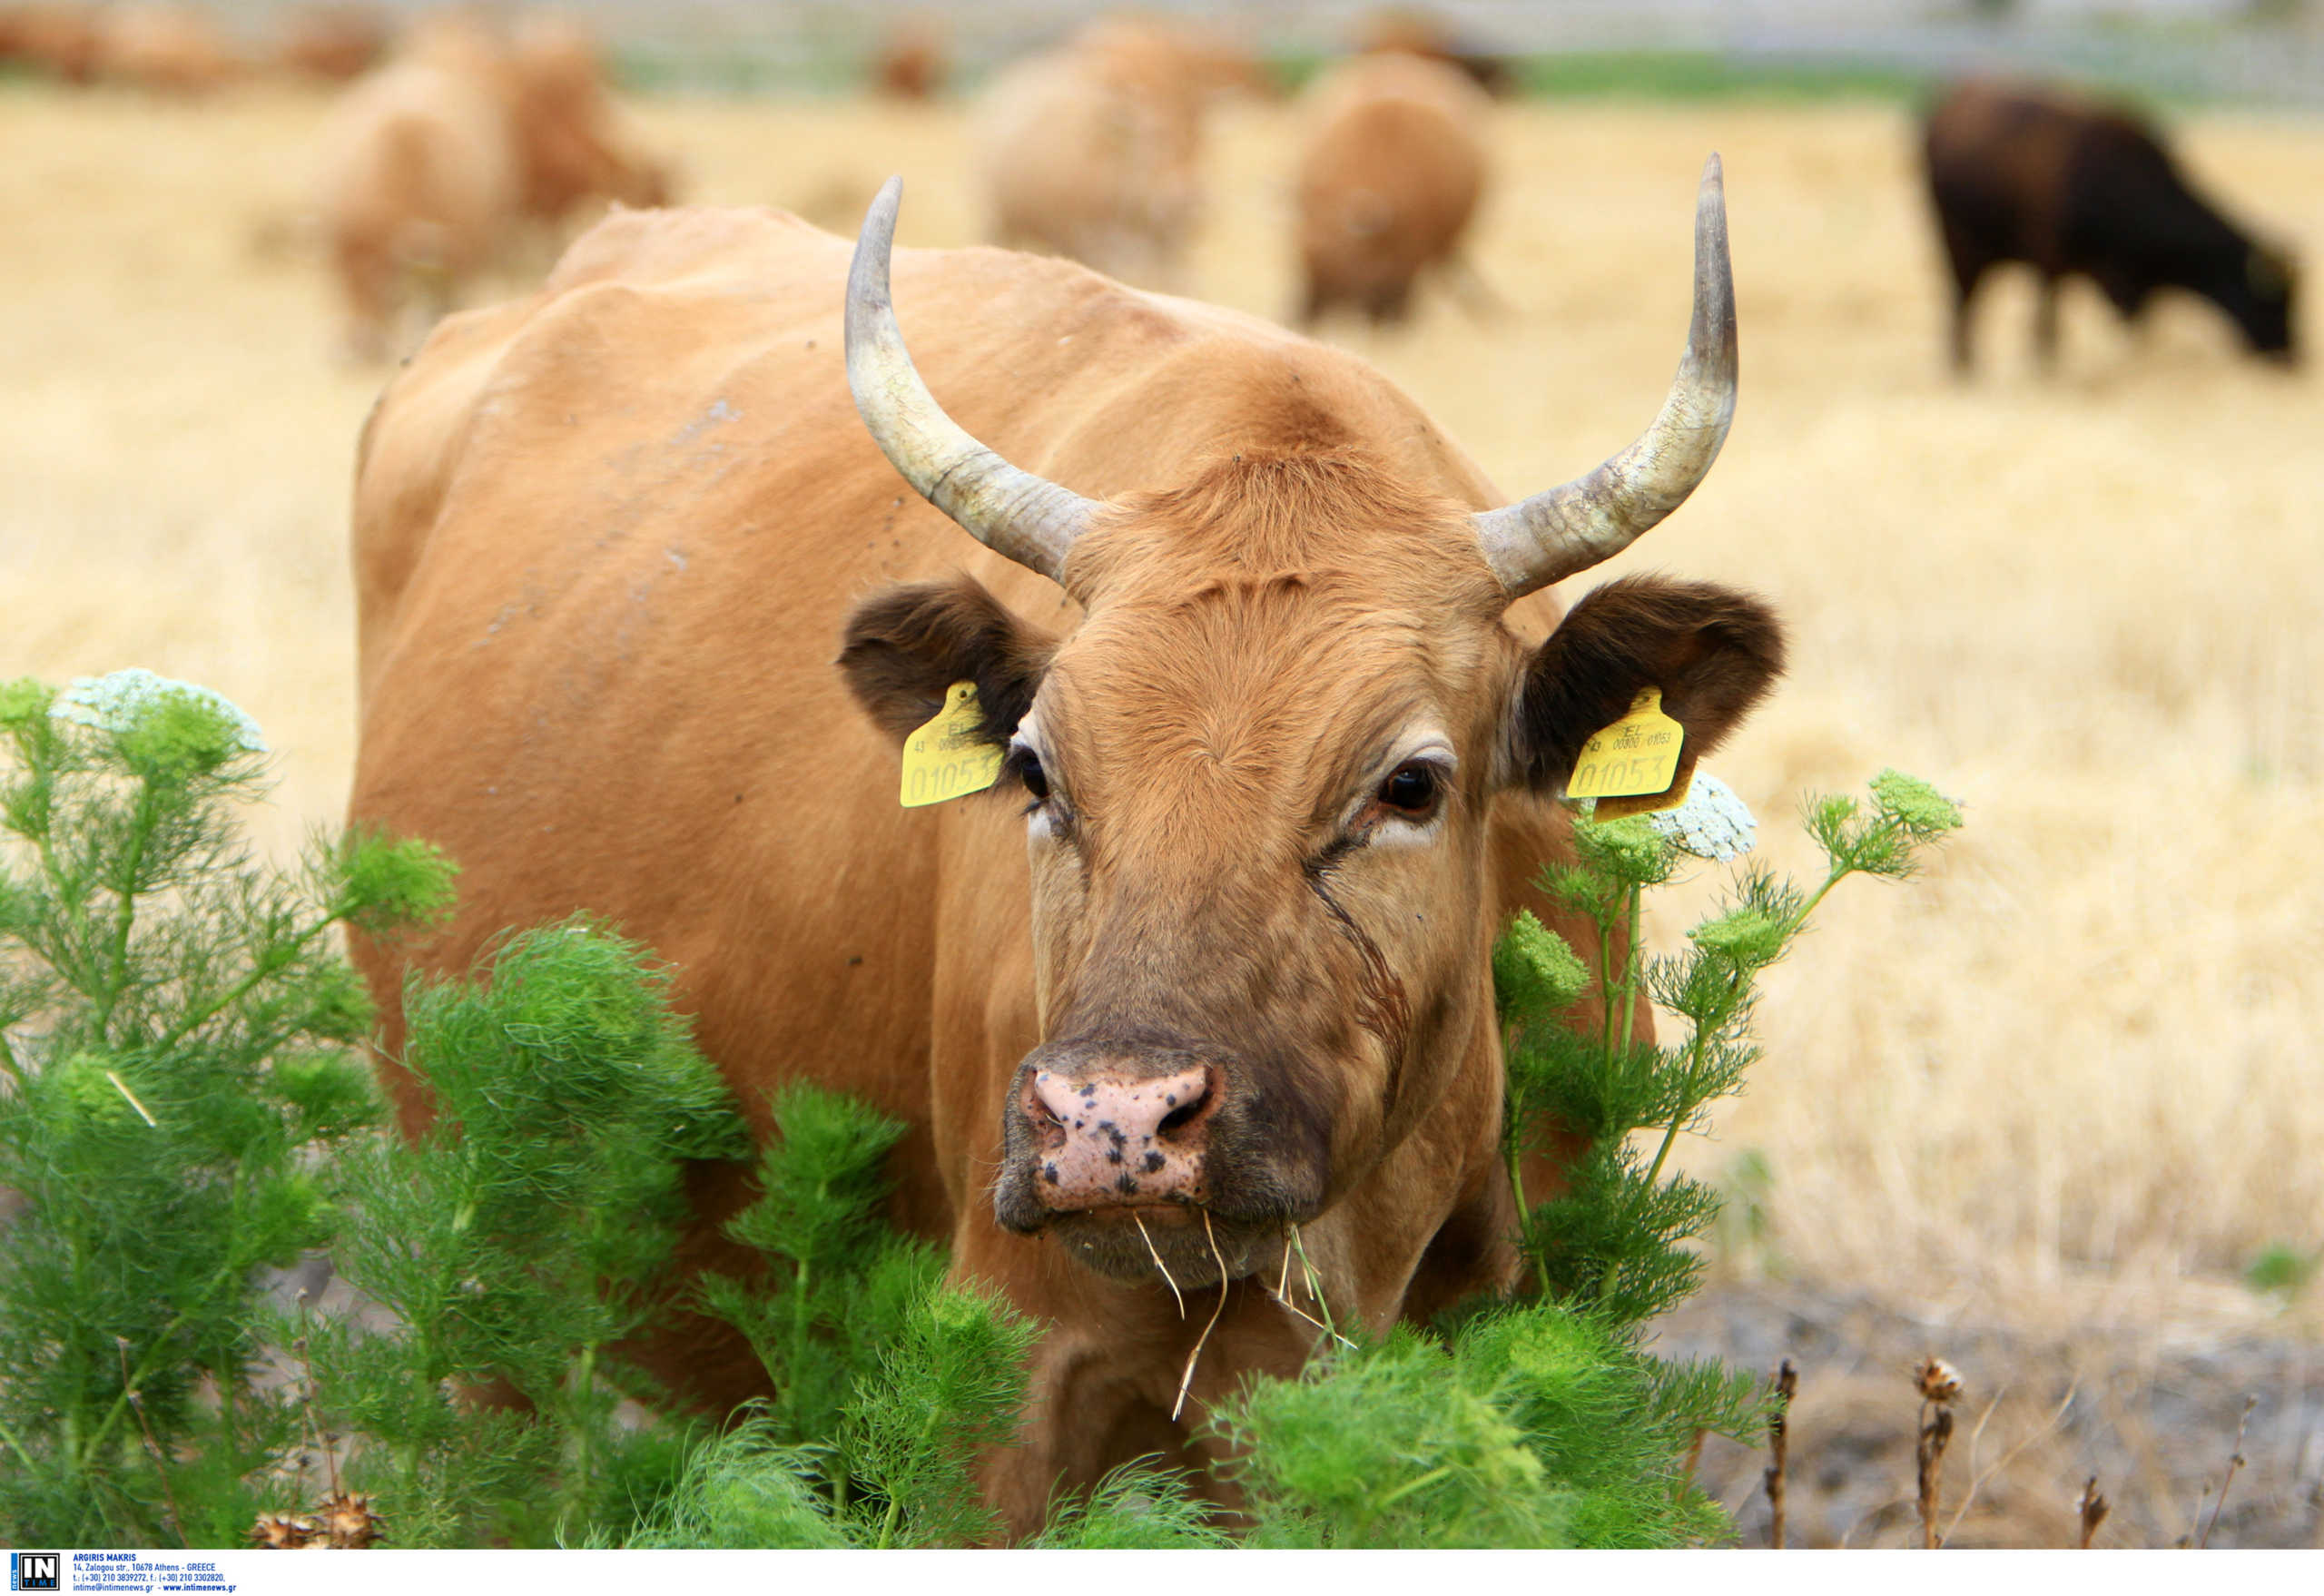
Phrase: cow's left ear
(1714, 652)
(906, 646)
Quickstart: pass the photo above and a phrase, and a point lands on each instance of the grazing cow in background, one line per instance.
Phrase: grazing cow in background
(335, 43)
(1394, 164)
(910, 62)
(1278, 702)
(1415, 32)
(168, 49)
(415, 186)
(1093, 150)
(2018, 173)
(570, 147)
(57, 40)
(447, 160)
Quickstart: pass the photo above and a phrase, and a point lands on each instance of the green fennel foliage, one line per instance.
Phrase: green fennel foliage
(522, 1237)
(1545, 1420)
(840, 1281)
(176, 1035)
(1616, 1237)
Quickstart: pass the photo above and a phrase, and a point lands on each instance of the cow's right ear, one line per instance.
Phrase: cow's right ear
(1713, 652)
(907, 645)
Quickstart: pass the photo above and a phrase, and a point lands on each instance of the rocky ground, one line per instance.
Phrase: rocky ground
(2149, 1410)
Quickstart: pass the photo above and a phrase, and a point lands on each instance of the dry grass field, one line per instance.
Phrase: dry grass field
(2068, 1082)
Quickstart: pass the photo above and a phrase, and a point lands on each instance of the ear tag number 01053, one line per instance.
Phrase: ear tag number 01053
(1638, 754)
(949, 757)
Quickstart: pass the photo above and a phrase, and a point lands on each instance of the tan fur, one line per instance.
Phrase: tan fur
(1389, 179)
(606, 542)
(1093, 150)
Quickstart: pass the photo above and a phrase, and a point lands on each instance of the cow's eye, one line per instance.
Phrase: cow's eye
(1411, 790)
(1036, 779)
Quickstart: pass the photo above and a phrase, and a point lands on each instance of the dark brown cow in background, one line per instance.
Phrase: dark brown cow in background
(2019, 172)
(1284, 707)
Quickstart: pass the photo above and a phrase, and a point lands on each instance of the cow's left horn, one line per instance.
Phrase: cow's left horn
(1552, 535)
(1014, 513)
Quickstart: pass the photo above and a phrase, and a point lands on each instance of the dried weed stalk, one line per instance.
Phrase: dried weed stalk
(2234, 1462)
(1940, 1387)
(2093, 1510)
(1778, 1448)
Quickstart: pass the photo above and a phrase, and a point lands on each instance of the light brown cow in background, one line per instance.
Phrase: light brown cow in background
(1417, 33)
(58, 41)
(1093, 150)
(1391, 175)
(570, 146)
(167, 49)
(417, 188)
(466, 150)
(909, 65)
(336, 43)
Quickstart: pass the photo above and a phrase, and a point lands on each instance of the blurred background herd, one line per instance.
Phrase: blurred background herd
(2026, 455)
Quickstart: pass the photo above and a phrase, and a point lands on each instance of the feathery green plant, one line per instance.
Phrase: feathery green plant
(176, 1034)
(1544, 1421)
(1616, 1236)
(519, 1240)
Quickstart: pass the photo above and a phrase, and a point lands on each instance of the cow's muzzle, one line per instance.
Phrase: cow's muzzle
(1107, 1135)
(1146, 1149)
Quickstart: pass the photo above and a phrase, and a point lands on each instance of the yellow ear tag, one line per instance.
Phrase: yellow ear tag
(1638, 754)
(947, 758)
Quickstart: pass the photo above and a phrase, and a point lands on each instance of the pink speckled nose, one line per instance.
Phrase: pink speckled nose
(1110, 1141)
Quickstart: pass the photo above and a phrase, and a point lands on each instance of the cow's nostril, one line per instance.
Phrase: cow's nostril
(1190, 1105)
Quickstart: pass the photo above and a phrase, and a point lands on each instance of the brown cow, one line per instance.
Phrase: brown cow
(1093, 150)
(1283, 732)
(2021, 173)
(1390, 177)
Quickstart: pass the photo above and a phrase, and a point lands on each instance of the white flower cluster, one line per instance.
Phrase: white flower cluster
(121, 700)
(1712, 823)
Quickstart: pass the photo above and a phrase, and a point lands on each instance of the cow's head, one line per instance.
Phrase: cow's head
(2261, 298)
(1257, 777)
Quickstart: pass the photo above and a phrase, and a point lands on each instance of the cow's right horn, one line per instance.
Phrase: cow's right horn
(1014, 513)
(1552, 535)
